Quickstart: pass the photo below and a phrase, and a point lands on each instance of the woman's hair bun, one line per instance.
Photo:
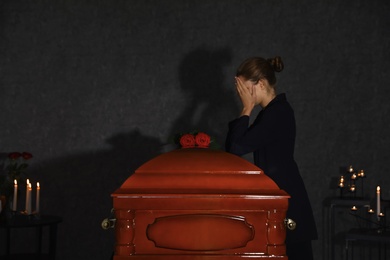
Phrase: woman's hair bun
(276, 63)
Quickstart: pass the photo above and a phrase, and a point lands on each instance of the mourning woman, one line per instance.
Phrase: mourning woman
(271, 139)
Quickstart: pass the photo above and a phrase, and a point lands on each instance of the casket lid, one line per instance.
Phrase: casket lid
(198, 160)
(198, 170)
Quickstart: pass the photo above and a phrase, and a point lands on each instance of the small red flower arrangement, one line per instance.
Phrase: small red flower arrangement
(14, 168)
(192, 140)
(16, 155)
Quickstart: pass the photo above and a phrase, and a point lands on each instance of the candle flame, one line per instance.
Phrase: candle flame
(378, 188)
(341, 184)
(28, 181)
(15, 182)
(38, 185)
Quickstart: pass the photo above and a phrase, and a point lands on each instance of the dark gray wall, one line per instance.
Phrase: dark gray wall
(95, 88)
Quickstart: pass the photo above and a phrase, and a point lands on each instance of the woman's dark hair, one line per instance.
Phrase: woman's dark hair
(257, 68)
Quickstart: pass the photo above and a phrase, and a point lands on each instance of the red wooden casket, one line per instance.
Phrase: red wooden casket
(199, 204)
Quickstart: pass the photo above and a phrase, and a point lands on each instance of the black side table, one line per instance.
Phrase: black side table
(329, 219)
(367, 235)
(18, 221)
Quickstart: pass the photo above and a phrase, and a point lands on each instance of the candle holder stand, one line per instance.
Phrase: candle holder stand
(378, 224)
(341, 192)
(381, 222)
(351, 181)
(381, 225)
(17, 216)
(362, 176)
(32, 215)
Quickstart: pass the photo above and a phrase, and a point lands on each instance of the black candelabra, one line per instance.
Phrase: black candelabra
(371, 218)
(351, 183)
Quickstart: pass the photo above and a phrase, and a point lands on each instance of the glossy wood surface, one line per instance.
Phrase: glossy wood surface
(199, 204)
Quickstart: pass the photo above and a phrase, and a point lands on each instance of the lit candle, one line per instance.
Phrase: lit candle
(353, 176)
(378, 201)
(27, 183)
(352, 188)
(354, 208)
(370, 211)
(350, 169)
(37, 200)
(15, 201)
(341, 184)
(28, 199)
(361, 174)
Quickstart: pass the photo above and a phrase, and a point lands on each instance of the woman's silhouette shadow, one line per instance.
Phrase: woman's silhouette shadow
(210, 104)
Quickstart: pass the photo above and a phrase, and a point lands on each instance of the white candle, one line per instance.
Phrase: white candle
(37, 200)
(28, 199)
(27, 182)
(15, 201)
(378, 201)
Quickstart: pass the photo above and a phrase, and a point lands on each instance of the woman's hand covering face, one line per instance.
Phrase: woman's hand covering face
(247, 92)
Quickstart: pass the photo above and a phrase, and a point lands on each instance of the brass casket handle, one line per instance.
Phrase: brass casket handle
(109, 222)
(290, 224)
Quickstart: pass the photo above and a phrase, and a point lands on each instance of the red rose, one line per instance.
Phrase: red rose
(202, 140)
(14, 156)
(26, 155)
(187, 141)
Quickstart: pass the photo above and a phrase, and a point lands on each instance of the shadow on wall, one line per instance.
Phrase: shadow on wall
(210, 105)
(78, 189)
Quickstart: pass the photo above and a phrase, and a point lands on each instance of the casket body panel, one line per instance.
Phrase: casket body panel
(199, 204)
